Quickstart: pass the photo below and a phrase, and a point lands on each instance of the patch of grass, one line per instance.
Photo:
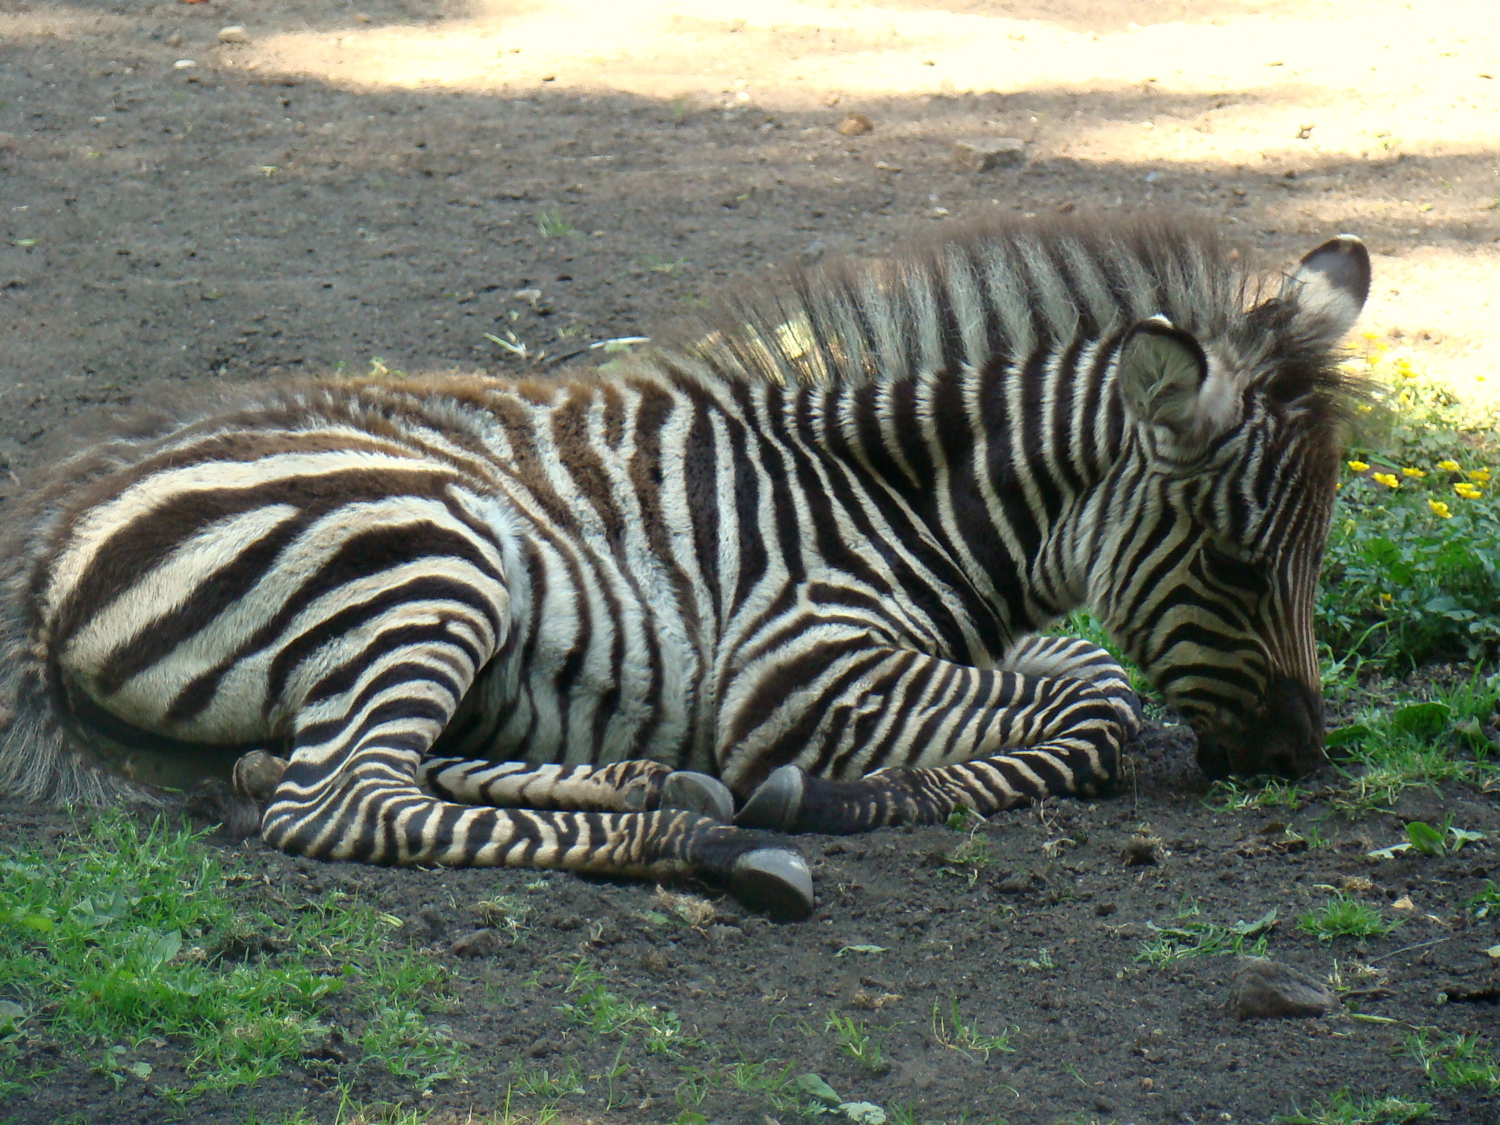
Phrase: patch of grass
(505, 912)
(951, 1032)
(1346, 1109)
(1455, 1062)
(1343, 916)
(131, 932)
(971, 857)
(1204, 939)
(1412, 570)
(857, 1042)
(1262, 793)
(538, 1082)
(603, 1013)
(1390, 749)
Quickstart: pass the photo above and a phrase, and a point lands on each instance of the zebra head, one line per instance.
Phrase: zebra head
(1223, 516)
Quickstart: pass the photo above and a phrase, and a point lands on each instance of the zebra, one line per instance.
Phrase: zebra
(786, 572)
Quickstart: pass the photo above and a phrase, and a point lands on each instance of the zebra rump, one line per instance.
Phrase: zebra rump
(786, 572)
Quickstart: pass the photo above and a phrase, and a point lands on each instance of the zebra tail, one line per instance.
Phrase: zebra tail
(43, 758)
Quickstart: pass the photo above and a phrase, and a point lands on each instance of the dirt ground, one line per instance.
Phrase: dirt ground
(378, 185)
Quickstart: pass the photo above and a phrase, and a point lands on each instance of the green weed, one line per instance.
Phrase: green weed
(1262, 793)
(1345, 1109)
(551, 224)
(1203, 939)
(951, 1032)
(1344, 917)
(1486, 902)
(856, 1042)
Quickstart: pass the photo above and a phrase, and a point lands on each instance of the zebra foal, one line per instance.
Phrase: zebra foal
(784, 576)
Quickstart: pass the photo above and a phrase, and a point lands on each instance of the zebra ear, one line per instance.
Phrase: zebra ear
(1331, 285)
(1164, 378)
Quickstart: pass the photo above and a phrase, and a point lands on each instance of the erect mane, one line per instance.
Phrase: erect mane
(1013, 286)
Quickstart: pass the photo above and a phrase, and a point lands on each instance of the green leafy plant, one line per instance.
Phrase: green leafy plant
(1412, 569)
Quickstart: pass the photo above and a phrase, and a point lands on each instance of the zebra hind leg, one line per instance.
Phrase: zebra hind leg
(1052, 723)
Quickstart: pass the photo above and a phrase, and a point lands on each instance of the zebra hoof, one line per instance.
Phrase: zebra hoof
(257, 774)
(775, 804)
(774, 882)
(699, 793)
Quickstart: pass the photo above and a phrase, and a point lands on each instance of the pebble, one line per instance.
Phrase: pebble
(855, 125)
(184, 64)
(7, 142)
(234, 33)
(1263, 989)
(981, 156)
(480, 943)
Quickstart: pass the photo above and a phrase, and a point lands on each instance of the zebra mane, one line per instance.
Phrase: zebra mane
(999, 290)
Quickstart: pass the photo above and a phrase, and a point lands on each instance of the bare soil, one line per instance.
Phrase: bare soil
(363, 188)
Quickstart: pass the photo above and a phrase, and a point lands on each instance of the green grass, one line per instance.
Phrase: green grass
(1455, 1062)
(1486, 903)
(1346, 1109)
(132, 932)
(1344, 917)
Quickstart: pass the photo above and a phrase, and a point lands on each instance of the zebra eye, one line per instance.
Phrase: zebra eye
(1236, 568)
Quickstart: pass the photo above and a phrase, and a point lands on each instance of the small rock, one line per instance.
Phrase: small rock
(1104, 909)
(981, 156)
(565, 921)
(175, 39)
(234, 34)
(1355, 885)
(7, 142)
(855, 125)
(1015, 883)
(541, 1048)
(480, 943)
(655, 961)
(1263, 989)
(184, 64)
(814, 250)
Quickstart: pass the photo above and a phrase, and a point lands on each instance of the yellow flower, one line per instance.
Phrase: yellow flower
(1416, 474)
(1387, 479)
(1385, 597)
(1479, 476)
(1358, 466)
(1440, 509)
(1403, 369)
(1467, 490)
(1449, 466)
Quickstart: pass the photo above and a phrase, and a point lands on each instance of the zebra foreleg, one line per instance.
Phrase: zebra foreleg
(631, 786)
(1019, 738)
